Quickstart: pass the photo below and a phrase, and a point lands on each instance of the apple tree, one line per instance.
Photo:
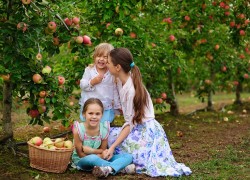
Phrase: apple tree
(32, 32)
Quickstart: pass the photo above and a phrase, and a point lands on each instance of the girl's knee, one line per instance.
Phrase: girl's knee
(128, 156)
(91, 157)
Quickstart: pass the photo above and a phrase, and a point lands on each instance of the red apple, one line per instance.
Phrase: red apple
(41, 109)
(179, 70)
(242, 33)
(118, 31)
(132, 35)
(208, 81)
(61, 80)
(153, 44)
(227, 13)
(46, 129)
(79, 39)
(171, 38)
(223, 68)
(236, 83)
(242, 56)
(108, 24)
(34, 113)
(227, 7)
(76, 20)
(217, 46)
(86, 40)
(68, 21)
(187, 18)
(41, 101)
(159, 101)
(222, 4)
(52, 25)
(78, 82)
(36, 141)
(167, 20)
(247, 21)
(26, 1)
(246, 76)
(42, 94)
(22, 26)
(232, 24)
(37, 78)
(56, 41)
(241, 16)
(163, 96)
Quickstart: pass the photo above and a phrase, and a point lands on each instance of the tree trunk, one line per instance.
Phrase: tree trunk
(174, 107)
(238, 94)
(210, 93)
(7, 132)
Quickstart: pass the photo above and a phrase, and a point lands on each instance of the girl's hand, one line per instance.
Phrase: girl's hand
(104, 154)
(109, 153)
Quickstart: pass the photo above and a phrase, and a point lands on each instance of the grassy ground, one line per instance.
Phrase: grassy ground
(215, 145)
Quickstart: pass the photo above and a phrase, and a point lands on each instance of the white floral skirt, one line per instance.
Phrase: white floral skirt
(151, 152)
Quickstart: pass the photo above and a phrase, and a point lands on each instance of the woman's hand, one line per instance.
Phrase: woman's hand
(109, 153)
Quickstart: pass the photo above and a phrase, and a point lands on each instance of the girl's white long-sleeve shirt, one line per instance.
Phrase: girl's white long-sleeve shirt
(106, 91)
(127, 93)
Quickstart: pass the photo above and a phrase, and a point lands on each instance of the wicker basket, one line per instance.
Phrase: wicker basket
(49, 160)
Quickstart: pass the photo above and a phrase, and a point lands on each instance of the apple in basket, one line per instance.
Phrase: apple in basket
(47, 141)
(59, 142)
(68, 144)
(36, 141)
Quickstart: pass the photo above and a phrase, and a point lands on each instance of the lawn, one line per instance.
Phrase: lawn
(215, 145)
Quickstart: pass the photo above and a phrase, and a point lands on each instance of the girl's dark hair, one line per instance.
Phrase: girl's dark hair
(92, 101)
(124, 58)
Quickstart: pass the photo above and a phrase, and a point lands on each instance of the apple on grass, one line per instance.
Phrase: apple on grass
(159, 101)
(46, 129)
(118, 31)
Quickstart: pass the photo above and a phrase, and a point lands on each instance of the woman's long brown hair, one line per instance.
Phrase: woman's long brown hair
(124, 57)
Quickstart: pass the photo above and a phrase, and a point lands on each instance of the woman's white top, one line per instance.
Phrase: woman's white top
(106, 91)
(127, 93)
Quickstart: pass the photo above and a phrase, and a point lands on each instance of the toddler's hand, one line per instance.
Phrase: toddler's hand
(97, 79)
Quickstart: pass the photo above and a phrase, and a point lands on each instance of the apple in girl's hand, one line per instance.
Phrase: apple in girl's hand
(68, 144)
(59, 142)
(46, 129)
(36, 141)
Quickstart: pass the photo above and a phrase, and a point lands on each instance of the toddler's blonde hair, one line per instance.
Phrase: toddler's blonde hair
(101, 49)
